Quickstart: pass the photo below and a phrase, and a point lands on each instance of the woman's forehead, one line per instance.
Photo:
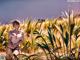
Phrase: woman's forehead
(15, 24)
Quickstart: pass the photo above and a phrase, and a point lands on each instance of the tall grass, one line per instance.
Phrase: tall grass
(53, 38)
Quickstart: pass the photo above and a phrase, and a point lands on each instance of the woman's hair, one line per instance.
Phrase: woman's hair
(16, 22)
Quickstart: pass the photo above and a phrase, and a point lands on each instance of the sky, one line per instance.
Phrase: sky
(21, 9)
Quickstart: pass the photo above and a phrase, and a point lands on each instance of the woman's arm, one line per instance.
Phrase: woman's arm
(22, 38)
(10, 44)
(10, 37)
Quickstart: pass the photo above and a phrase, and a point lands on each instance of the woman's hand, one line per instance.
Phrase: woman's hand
(11, 46)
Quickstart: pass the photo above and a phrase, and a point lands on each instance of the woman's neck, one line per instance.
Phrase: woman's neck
(16, 30)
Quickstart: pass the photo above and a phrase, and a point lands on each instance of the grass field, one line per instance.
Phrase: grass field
(49, 39)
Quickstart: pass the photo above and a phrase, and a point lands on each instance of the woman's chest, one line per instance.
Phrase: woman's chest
(16, 37)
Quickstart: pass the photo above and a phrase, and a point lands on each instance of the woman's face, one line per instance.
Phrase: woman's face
(16, 26)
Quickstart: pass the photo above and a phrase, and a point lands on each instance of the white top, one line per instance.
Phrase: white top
(15, 38)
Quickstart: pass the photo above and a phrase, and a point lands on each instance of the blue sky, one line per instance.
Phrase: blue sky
(11, 9)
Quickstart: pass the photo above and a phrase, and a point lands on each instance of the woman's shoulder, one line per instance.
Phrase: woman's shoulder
(21, 31)
(11, 31)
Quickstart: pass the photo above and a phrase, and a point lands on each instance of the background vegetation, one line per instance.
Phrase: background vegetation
(48, 39)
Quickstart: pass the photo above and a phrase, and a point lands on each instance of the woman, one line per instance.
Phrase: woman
(15, 38)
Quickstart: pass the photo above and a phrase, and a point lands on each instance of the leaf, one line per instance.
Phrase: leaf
(36, 32)
(22, 56)
(28, 24)
(43, 46)
(66, 39)
(57, 48)
(59, 41)
(50, 37)
(76, 31)
(58, 28)
(31, 56)
(66, 14)
(54, 38)
(71, 29)
(1, 32)
(38, 37)
(61, 27)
